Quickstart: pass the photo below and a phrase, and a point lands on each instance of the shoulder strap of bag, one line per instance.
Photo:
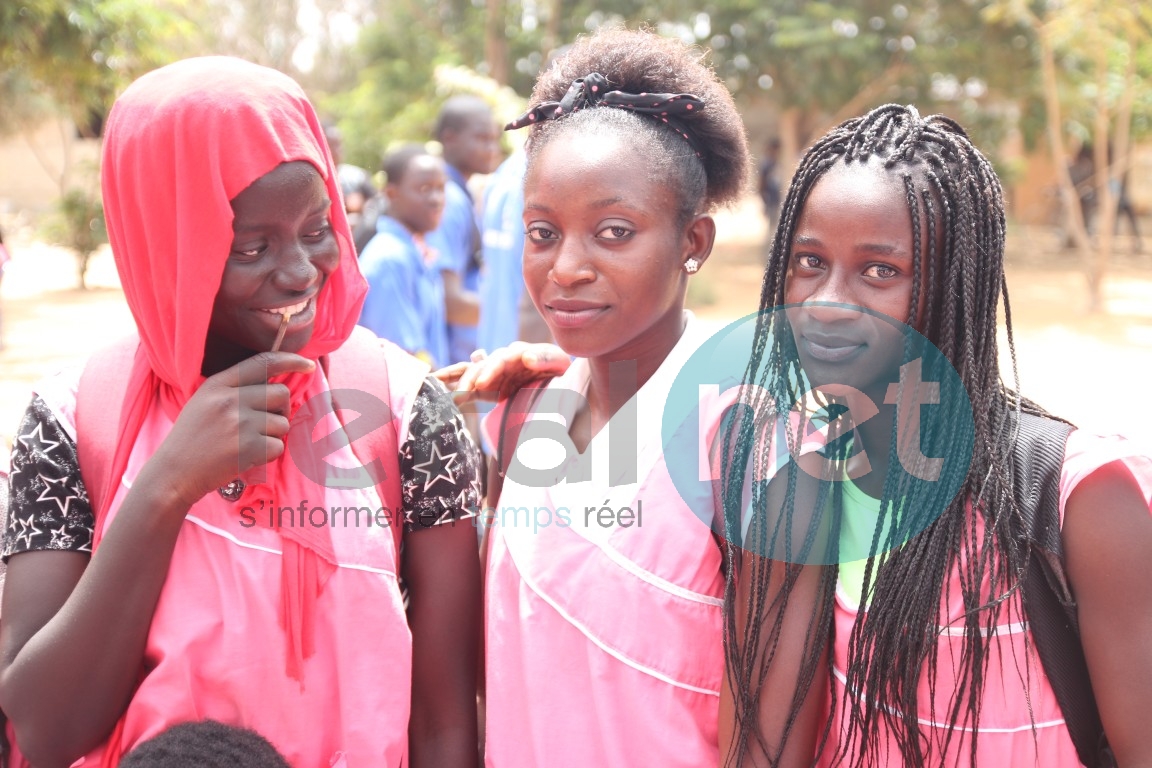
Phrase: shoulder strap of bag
(99, 403)
(1050, 606)
(100, 398)
(360, 365)
(514, 415)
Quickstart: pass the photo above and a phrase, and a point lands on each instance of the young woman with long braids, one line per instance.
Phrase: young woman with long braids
(916, 651)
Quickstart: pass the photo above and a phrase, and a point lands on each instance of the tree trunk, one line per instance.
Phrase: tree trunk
(1073, 216)
(1105, 197)
(552, 30)
(495, 41)
(60, 175)
(1122, 136)
(789, 125)
(67, 142)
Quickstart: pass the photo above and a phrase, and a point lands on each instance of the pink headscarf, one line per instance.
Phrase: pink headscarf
(180, 144)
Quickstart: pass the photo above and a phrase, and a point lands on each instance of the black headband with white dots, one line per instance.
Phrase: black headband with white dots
(592, 91)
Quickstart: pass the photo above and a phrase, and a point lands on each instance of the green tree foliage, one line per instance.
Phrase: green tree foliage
(80, 53)
(816, 62)
(64, 61)
(381, 68)
(412, 57)
(1096, 60)
(393, 95)
(78, 225)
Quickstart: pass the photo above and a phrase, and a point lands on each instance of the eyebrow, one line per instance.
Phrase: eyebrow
(880, 249)
(320, 208)
(605, 202)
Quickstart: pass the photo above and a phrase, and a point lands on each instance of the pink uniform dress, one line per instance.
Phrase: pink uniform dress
(1020, 720)
(216, 648)
(293, 629)
(603, 632)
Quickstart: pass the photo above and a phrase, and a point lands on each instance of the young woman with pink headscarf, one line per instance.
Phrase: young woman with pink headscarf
(177, 595)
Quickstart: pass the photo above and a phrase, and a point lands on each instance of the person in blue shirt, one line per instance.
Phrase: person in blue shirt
(466, 128)
(405, 301)
(506, 311)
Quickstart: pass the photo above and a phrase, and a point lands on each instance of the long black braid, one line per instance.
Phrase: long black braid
(956, 209)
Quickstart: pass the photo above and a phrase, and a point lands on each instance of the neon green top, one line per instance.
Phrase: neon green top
(861, 512)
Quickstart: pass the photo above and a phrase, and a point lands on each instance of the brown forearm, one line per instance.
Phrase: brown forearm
(758, 732)
(1107, 536)
(443, 574)
(447, 747)
(461, 306)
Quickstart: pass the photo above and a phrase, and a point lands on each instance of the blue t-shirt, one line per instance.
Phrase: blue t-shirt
(458, 241)
(405, 302)
(502, 235)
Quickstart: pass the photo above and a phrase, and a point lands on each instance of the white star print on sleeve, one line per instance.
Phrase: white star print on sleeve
(438, 466)
(35, 441)
(28, 529)
(50, 507)
(439, 463)
(57, 491)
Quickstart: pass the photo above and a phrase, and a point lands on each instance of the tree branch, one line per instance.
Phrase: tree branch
(866, 95)
(57, 175)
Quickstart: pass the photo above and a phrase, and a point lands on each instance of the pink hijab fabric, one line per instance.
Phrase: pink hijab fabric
(180, 144)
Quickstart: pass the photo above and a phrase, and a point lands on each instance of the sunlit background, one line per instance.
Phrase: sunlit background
(1037, 84)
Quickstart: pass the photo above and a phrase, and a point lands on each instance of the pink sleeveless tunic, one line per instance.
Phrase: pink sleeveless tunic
(1015, 684)
(216, 648)
(604, 641)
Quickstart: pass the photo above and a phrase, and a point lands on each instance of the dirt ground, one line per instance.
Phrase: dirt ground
(1090, 368)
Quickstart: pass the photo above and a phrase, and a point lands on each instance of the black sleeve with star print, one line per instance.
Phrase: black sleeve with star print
(439, 462)
(439, 469)
(48, 506)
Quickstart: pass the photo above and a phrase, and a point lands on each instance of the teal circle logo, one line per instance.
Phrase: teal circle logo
(818, 433)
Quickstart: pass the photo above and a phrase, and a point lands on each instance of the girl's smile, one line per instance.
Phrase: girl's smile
(292, 309)
(575, 313)
(829, 349)
(282, 254)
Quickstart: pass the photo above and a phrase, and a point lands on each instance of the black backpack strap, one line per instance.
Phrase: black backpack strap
(1049, 605)
(519, 406)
